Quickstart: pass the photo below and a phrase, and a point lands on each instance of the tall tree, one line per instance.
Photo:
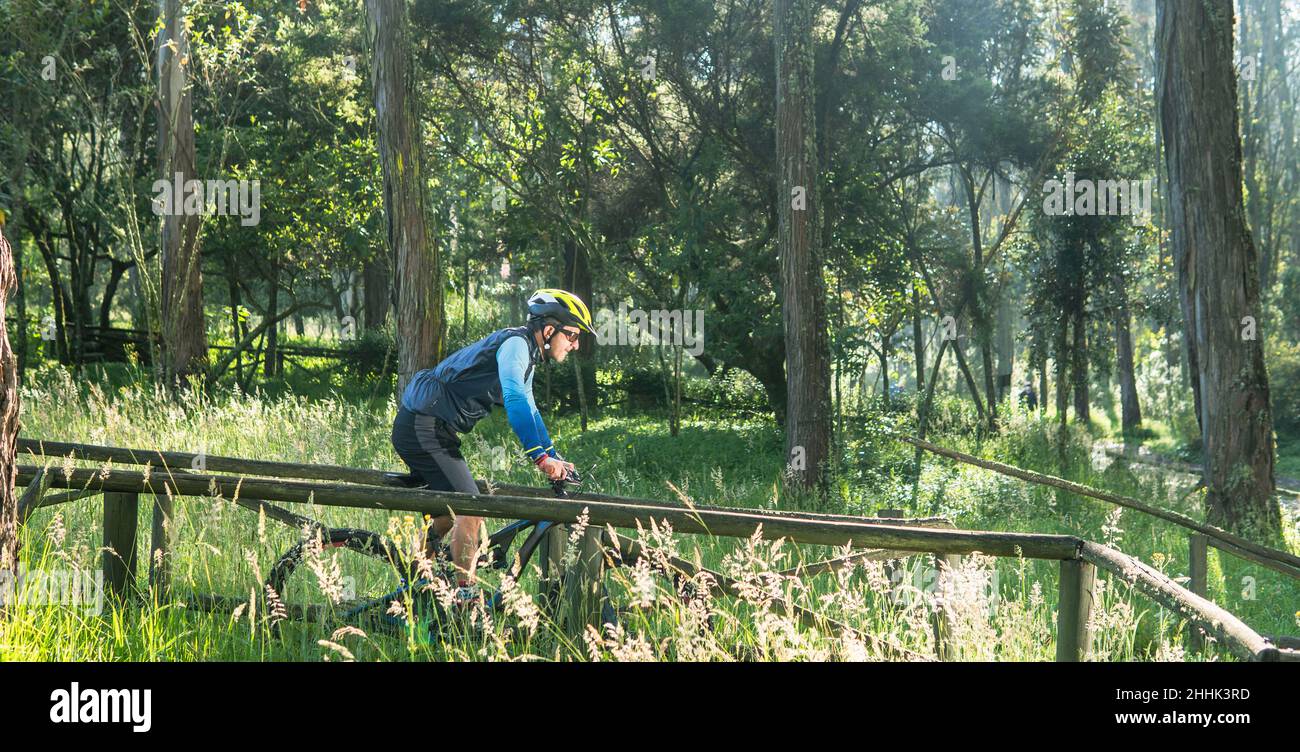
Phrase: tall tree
(417, 273)
(8, 417)
(1218, 279)
(185, 342)
(807, 356)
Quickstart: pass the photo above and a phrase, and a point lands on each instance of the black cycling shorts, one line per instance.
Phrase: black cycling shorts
(432, 450)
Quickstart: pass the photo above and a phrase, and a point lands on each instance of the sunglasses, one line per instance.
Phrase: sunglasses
(572, 335)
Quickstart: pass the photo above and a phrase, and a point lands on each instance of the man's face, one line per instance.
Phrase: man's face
(565, 339)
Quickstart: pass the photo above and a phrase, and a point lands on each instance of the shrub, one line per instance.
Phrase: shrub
(1284, 387)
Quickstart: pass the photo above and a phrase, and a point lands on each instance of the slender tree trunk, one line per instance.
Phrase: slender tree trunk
(1042, 385)
(1061, 361)
(984, 340)
(1197, 91)
(964, 368)
(236, 326)
(577, 280)
(117, 270)
(185, 342)
(270, 367)
(884, 369)
(808, 410)
(1079, 369)
(837, 374)
(464, 303)
(378, 291)
(20, 298)
(1130, 412)
(918, 340)
(417, 272)
(8, 423)
(1006, 345)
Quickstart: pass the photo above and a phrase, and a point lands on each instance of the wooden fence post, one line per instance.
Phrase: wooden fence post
(891, 565)
(939, 619)
(160, 550)
(121, 515)
(1073, 630)
(1197, 566)
(584, 583)
(551, 556)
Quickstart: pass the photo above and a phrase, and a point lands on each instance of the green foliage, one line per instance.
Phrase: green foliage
(1284, 387)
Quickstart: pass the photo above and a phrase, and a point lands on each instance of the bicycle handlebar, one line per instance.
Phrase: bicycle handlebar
(571, 478)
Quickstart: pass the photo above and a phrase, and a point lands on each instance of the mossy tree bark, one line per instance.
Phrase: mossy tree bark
(1213, 248)
(8, 419)
(807, 355)
(417, 273)
(185, 342)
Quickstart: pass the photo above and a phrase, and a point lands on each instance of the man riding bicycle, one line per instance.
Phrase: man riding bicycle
(442, 402)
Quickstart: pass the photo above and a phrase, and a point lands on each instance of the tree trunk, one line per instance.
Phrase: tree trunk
(1219, 284)
(269, 368)
(808, 411)
(884, 369)
(378, 291)
(1042, 386)
(1079, 369)
(1130, 413)
(1062, 375)
(918, 341)
(20, 297)
(185, 342)
(236, 326)
(117, 269)
(469, 291)
(417, 273)
(577, 280)
(983, 337)
(8, 422)
(1006, 345)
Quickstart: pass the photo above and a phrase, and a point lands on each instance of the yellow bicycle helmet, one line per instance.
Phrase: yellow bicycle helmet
(563, 306)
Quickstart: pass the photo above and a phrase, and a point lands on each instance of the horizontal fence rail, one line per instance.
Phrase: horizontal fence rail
(863, 532)
(1279, 561)
(185, 461)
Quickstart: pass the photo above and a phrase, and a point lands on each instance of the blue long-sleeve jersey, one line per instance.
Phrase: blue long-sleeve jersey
(516, 375)
(496, 370)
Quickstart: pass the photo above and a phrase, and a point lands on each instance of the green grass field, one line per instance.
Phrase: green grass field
(997, 609)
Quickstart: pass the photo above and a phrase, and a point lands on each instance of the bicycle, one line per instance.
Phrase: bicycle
(495, 555)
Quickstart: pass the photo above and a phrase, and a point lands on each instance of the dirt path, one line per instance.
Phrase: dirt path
(1288, 488)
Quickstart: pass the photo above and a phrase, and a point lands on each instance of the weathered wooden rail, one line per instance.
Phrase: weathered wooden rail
(1201, 535)
(191, 461)
(377, 490)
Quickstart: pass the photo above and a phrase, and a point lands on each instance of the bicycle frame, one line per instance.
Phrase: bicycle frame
(498, 544)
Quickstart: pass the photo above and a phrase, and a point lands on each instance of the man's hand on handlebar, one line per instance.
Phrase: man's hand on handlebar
(555, 469)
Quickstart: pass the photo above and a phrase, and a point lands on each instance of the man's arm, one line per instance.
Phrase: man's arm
(521, 410)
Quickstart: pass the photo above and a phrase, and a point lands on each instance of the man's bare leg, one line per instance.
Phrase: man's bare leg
(464, 548)
(435, 535)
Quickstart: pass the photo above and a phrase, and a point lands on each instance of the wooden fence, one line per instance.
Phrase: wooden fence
(1199, 538)
(176, 474)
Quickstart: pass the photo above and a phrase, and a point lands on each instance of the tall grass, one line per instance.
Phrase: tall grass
(995, 609)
